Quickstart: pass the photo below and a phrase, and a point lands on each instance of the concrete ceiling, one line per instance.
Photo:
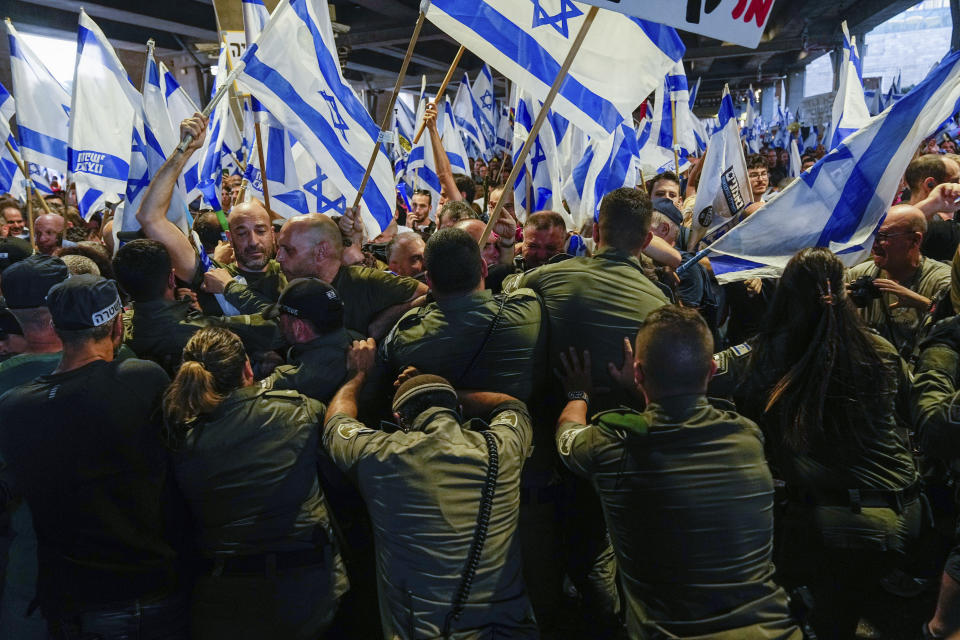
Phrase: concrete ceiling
(372, 49)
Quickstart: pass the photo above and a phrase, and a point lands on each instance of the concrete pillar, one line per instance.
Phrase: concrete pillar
(955, 15)
(794, 84)
(836, 60)
(768, 102)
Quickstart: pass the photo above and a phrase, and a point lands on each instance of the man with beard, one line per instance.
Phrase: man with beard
(311, 246)
(905, 283)
(250, 232)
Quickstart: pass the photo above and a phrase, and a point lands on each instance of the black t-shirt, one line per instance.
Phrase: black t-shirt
(84, 448)
(941, 239)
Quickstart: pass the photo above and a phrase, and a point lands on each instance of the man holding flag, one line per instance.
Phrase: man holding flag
(251, 237)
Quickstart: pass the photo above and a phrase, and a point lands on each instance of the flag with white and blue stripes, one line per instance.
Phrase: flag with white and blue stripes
(303, 87)
(621, 61)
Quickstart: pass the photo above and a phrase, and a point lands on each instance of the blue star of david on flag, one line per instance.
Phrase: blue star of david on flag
(486, 100)
(538, 157)
(568, 11)
(335, 118)
(315, 188)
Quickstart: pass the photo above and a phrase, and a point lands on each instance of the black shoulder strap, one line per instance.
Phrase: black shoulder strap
(479, 535)
(483, 344)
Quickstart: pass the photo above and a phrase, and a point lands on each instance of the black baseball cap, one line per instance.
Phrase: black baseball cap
(83, 302)
(13, 250)
(26, 283)
(8, 324)
(310, 299)
(667, 208)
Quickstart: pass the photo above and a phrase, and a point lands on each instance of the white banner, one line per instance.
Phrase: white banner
(737, 21)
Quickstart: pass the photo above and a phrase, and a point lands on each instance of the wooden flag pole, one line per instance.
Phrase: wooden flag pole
(263, 166)
(30, 193)
(673, 124)
(541, 118)
(385, 123)
(441, 90)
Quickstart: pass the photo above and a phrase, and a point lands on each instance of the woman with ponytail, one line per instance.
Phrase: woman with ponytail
(826, 392)
(246, 460)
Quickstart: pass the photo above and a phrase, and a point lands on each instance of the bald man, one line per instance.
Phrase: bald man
(48, 233)
(907, 281)
(405, 254)
(312, 246)
(252, 280)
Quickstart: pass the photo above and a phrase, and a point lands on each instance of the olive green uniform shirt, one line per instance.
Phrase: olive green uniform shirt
(257, 290)
(422, 489)
(593, 303)
(445, 337)
(688, 500)
(882, 464)
(316, 368)
(936, 403)
(366, 292)
(930, 280)
(158, 330)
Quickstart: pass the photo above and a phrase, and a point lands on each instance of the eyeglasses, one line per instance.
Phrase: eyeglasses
(757, 174)
(882, 236)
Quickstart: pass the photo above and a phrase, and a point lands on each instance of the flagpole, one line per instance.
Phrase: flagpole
(541, 117)
(30, 192)
(217, 97)
(385, 123)
(440, 91)
(150, 45)
(673, 124)
(263, 169)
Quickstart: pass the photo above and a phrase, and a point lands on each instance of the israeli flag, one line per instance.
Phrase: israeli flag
(106, 108)
(321, 194)
(209, 167)
(421, 164)
(840, 202)
(305, 90)
(656, 150)
(404, 128)
(504, 137)
(255, 19)
(165, 133)
(850, 110)
(609, 163)
(180, 106)
(795, 162)
(468, 115)
(528, 42)
(286, 195)
(11, 178)
(453, 142)
(538, 186)
(724, 189)
(484, 97)
(43, 107)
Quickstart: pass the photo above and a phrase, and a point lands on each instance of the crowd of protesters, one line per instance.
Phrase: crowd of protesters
(285, 429)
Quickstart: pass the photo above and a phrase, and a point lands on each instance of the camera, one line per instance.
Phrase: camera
(862, 291)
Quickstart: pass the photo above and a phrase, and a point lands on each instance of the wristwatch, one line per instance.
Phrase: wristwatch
(578, 395)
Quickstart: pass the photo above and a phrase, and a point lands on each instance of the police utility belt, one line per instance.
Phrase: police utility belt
(856, 499)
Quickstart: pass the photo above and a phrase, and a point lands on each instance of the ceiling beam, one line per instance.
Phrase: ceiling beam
(423, 61)
(390, 8)
(166, 22)
(386, 37)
